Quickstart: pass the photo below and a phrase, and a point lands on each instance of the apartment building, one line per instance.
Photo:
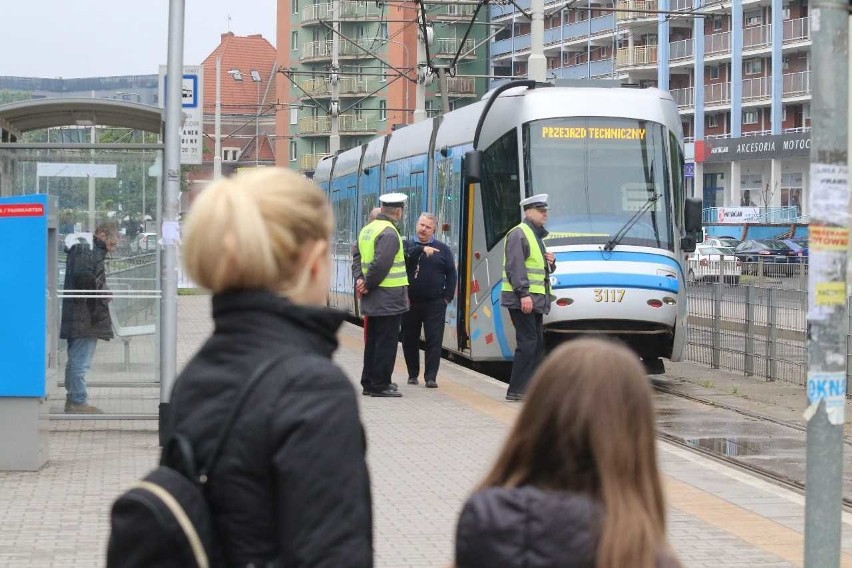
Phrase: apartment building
(379, 57)
(738, 70)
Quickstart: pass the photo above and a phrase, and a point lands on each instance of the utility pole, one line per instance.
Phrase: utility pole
(217, 152)
(422, 70)
(169, 218)
(537, 63)
(334, 106)
(828, 322)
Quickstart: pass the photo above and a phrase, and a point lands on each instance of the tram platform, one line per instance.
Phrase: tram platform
(427, 451)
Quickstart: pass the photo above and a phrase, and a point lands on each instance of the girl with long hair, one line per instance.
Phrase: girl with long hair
(576, 483)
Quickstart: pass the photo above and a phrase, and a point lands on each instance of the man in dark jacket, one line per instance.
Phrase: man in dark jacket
(526, 290)
(378, 269)
(85, 320)
(431, 287)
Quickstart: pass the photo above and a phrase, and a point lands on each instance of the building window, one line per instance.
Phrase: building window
(754, 18)
(712, 120)
(295, 5)
(383, 29)
(753, 66)
(294, 116)
(785, 13)
(230, 154)
(294, 41)
(383, 110)
(750, 117)
(293, 151)
(714, 72)
(718, 22)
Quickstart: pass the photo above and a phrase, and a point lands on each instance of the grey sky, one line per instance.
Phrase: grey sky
(89, 38)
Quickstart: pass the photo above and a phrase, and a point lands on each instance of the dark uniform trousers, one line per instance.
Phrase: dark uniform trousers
(381, 339)
(529, 334)
(430, 316)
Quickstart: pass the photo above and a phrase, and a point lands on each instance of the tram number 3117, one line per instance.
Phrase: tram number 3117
(608, 295)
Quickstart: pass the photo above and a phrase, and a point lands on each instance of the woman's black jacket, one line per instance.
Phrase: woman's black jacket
(527, 527)
(291, 487)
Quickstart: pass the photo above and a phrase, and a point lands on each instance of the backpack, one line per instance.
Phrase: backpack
(164, 519)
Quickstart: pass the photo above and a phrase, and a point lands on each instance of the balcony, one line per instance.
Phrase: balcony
(597, 68)
(716, 44)
(796, 84)
(682, 49)
(680, 5)
(321, 50)
(717, 94)
(685, 98)
(757, 37)
(636, 56)
(347, 124)
(635, 5)
(796, 30)
(349, 10)
(448, 46)
(757, 88)
(455, 11)
(309, 162)
(461, 86)
(349, 86)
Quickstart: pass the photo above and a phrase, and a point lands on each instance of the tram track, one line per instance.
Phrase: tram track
(765, 473)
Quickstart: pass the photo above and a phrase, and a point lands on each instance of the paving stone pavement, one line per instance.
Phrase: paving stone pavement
(426, 452)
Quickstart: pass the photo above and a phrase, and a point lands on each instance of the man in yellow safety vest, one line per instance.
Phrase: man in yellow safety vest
(526, 290)
(378, 268)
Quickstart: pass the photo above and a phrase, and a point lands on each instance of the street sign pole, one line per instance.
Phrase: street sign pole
(169, 214)
(828, 323)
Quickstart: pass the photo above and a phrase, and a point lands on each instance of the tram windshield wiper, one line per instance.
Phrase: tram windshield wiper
(622, 232)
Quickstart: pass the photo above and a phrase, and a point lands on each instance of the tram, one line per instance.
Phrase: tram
(611, 159)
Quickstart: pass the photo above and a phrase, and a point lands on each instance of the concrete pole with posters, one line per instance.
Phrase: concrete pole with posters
(334, 106)
(537, 63)
(828, 322)
(169, 215)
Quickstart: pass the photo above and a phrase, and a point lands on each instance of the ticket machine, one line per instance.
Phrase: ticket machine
(28, 328)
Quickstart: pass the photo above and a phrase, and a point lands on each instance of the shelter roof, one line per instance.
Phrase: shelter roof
(23, 116)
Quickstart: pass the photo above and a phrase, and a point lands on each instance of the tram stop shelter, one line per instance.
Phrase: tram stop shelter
(95, 161)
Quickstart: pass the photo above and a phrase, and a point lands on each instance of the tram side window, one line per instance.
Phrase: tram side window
(500, 186)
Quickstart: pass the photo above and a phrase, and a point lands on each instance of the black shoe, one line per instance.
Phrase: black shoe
(394, 386)
(431, 385)
(365, 392)
(413, 381)
(387, 393)
(514, 396)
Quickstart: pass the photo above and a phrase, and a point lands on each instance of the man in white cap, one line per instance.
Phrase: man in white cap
(380, 279)
(526, 290)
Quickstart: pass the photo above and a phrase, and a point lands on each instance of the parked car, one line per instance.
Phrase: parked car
(713, 264)
(144, 243)
(800, 246)
(722, 242)
(774, 255)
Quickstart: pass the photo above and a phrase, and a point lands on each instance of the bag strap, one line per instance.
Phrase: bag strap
(255, 378)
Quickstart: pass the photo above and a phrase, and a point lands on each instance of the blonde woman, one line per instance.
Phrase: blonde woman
(576, 484)
(291, 487)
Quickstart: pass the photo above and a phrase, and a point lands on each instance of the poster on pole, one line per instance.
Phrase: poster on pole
(192, 103)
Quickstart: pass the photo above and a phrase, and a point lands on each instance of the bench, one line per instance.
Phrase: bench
(127, 332)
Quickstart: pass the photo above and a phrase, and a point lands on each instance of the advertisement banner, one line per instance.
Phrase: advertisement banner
(738, 214)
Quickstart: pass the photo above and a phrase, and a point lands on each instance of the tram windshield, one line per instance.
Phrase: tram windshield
(599, 173)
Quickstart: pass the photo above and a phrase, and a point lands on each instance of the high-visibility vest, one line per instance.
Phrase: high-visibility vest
(534, 262)
(367, 247)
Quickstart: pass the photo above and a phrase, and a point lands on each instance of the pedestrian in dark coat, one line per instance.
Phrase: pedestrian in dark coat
(292, 487)
(576, 485)
(431, 287)
(85, 320)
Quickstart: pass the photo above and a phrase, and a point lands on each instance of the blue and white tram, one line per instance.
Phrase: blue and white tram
(611, 160)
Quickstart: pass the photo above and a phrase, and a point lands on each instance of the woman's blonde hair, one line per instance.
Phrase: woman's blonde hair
(248, 231)
(588, 426)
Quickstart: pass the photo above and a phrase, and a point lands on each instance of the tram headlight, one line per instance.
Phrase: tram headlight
(669, 301)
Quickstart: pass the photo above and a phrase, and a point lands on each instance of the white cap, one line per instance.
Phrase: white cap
(538, 201)
(393, 199)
